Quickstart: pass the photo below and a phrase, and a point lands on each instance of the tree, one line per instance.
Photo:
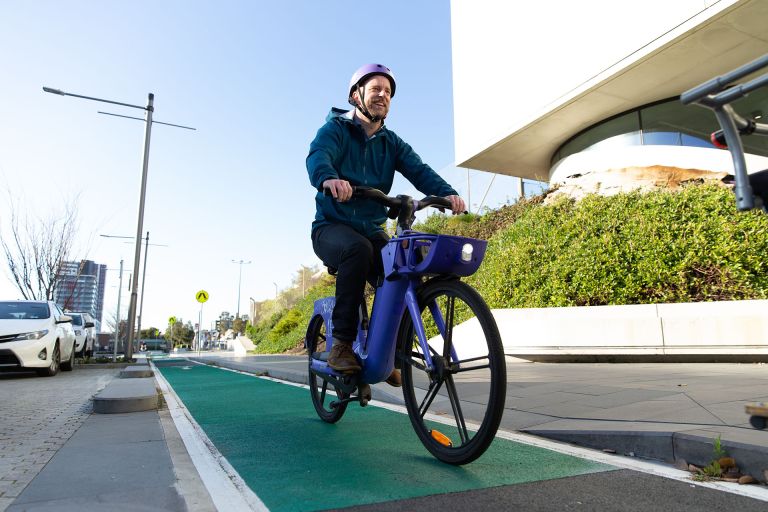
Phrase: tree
(238, 325)
(35, 249)
(179, 334)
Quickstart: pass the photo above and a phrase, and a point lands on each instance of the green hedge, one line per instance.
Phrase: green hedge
(290, 330)
(636, 248)
(689, 245)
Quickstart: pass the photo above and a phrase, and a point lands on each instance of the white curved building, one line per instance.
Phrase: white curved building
(551, 89)
(559, 91)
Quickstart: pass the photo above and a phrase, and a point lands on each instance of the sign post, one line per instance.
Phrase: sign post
(202, 297)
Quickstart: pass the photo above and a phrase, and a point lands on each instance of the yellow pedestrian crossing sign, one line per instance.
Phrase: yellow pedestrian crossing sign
(201, 296)
(172, 320)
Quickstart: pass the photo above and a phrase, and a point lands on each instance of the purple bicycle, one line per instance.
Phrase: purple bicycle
(437, 329)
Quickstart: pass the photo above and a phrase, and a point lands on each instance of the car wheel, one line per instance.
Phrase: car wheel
(70, 364)
(53, 369)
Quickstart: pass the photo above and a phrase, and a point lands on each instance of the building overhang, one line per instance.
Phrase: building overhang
(690, 54)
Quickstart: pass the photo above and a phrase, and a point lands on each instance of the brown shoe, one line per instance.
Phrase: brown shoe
(342, 358)
(394, 379)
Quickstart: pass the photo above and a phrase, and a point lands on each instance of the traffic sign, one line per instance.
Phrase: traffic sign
(172, 320)
(201, 296)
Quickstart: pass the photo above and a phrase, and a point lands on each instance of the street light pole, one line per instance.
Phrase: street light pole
(117, 327)
(143, 283)
(143, 276)
(239, 281)
(148, 111)
(140, 227)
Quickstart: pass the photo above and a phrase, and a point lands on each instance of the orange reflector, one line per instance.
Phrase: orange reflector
(441, 438)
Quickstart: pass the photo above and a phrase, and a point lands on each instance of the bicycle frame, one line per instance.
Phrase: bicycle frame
(716, 95)
(407, 258)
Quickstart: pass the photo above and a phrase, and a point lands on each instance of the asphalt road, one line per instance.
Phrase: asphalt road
(371, 460)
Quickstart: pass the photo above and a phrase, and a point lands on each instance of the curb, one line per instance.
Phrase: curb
(126, 395)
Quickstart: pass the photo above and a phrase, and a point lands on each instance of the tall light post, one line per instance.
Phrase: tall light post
(239, 280)
(275, 290)
(143, 276)
(148, 110)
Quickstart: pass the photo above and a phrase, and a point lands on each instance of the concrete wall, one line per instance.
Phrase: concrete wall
(727, 328)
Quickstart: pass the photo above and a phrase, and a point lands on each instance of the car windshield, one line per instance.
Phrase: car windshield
(76, 319)
(24, 310)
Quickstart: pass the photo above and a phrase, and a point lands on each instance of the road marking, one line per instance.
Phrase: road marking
(228, 491)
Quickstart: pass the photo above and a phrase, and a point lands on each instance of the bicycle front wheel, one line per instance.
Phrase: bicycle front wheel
(456, 403)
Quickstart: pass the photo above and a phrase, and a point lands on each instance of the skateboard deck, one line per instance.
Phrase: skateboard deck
(758, 414)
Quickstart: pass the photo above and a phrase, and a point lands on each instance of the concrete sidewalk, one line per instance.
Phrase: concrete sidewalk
(671, 412)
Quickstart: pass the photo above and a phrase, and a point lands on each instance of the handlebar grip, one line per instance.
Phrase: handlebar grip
(718, 139)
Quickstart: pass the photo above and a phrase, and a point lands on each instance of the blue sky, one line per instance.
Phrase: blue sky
(256, 79)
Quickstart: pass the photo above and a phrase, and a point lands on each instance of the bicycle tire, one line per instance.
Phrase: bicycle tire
(474, 377)
(318, 387)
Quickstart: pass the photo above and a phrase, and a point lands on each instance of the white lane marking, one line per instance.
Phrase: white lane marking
(644, 466)
(227, 489)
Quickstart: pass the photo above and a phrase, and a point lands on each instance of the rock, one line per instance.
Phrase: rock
(681, 464)
(726, 462)
(694, 469)
(609, 450)
(746, 479)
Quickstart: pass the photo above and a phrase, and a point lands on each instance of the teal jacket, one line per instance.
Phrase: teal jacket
(341, 150)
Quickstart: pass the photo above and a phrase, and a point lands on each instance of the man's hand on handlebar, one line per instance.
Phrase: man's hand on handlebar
(457, 205)
(341, 190)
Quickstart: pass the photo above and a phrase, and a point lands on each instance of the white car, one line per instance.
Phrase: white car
(85, 333)
(36, 335)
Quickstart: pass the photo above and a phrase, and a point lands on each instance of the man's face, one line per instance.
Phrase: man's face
(378, 93)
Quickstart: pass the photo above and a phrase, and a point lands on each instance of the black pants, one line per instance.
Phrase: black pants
(357, 259)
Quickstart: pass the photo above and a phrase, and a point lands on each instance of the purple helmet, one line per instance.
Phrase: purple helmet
(367, 71)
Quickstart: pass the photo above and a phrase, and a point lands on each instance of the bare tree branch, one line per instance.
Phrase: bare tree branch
(36, 251)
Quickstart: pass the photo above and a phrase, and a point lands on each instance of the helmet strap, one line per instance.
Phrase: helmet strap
(363, 109)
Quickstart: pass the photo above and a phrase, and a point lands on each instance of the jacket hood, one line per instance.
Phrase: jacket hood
(338, 113)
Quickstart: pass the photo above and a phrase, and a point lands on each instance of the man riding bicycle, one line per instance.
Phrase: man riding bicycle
(355, 148)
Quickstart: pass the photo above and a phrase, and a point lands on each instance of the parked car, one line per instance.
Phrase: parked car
(37, 335)
(85, 333)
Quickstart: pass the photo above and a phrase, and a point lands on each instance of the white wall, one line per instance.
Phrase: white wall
(512, 58)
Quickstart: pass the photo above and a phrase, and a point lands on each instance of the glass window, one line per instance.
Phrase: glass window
(76, 319)
(23, 310)
(668, 122)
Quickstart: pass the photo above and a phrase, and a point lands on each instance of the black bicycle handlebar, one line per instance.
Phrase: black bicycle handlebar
(722, 82)
(395, 202)
(402, 207)
(716, 95)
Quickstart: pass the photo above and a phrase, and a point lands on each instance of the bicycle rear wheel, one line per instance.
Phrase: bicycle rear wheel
(323, 393)
(455, 406)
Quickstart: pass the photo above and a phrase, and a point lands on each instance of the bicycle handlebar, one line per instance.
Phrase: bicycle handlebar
(717, 95)
(401, 207)
(395, 202)
(720, 83)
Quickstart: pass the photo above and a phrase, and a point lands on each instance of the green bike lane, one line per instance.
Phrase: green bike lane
(270, 434)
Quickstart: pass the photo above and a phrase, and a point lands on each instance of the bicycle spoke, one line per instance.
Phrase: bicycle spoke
(472, 368)
(458, 366)
(414, 364)
(456, 406)
(322, 393)
(434, 387)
